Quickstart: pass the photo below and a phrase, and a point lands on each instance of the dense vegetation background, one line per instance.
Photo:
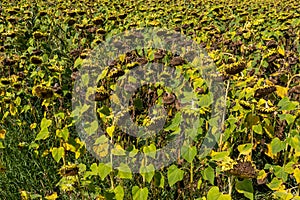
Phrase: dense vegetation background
(255, 46)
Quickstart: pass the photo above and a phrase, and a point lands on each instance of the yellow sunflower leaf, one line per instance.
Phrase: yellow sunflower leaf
(269, 152)
(281, 91)
(281, 51)
(52, 196)
(297, 175)
(110, 130)
(2, 133)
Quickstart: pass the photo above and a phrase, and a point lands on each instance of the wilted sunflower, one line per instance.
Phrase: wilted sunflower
(7, 99)
(80, 12)
(36, 60)
(5, 81)
(11, 34)
(235, 68)
(9, 62)
(43, 13)
(71, 13)
(17, 85)
(42, 92)
(101, 95)
(112, 17)
(69, 170)
(159, 54)
(12, 19)
(36, 52)
(271, 44)
(97, 41)
(264, 110)
(115, 72)
(101, 31)
(71, 21)
(264, 90)
(12, 11)
(39, 35)
(84, 55)
(88, 26)
(243, 170)
(79, 26)
(177, 61)
(168, 98)
(245, 104)
(122, 15)
(98, 20)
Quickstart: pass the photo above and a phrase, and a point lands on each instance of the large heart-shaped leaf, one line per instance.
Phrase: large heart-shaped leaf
(139, 193)
(174, 175)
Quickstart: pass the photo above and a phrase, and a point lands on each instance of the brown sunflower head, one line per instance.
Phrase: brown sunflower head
(235, 68)
(36, 60)
(243, 170)
(264, 90)
(42, 92)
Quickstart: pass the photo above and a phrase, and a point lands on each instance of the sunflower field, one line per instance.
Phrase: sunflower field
(255, 47)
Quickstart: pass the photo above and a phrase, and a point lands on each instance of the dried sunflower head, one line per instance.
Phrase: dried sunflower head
(71, 21)
(83, 55)
(7, 99)
(159, 54)
(9, 62)
(115, 72)
(101, 95)
(43, 92)
(38, 35)
(36, 60)
(235, 68)
(168, 98)
(264, 110)
(122, 15)
(132, 65)
(17, 86)
(80, 12)
(43, 13)
(79, 26)
(11, 34)
(13, 11)
(243, 170)
(5, 81)
(264, 90)
(12, 19)
(69, 170)
(112, 17)
(177, 61)
(101, 31)
(88, 26)
(245, 104)
(98, 20)
(97, 40)
(71, 13)
(271, 44)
